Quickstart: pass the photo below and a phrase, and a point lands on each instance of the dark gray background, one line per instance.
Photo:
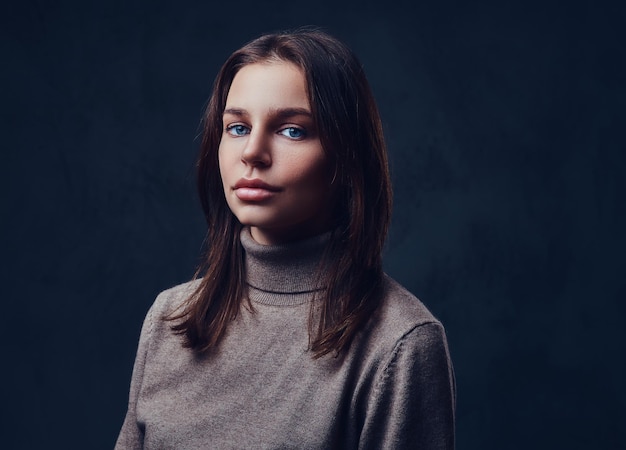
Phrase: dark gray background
(505, 126)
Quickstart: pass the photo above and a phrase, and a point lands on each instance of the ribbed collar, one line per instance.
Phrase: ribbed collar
(282, 275)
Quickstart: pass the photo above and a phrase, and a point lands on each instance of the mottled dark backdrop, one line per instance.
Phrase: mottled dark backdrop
(505, 127)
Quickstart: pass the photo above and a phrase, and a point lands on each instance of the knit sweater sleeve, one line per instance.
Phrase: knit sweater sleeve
(412, 404)
(131, 435)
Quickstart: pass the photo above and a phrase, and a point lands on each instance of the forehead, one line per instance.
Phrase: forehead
(268, 85)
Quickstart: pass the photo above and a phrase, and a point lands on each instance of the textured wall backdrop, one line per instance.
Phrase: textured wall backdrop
(505, 128)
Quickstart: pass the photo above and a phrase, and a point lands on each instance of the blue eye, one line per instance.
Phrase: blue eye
(237, 130)
(293, 132)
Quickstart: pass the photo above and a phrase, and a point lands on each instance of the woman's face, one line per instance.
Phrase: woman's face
(275, 174)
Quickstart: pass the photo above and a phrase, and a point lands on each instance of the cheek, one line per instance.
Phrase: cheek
(222, 162)
(313, 170)
(318, 173)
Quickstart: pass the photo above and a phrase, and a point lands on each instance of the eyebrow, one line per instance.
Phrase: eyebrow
(280, 113)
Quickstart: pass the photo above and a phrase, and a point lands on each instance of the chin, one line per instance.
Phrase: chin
(256, 220)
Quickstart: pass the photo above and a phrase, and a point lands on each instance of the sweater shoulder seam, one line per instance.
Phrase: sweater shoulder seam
(397, 348)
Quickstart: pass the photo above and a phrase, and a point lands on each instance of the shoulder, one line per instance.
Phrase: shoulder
(403, 320)
(170, 300)
(400, 310)
(411, 397)
(167, 303)
(155, 329)
(410, 338)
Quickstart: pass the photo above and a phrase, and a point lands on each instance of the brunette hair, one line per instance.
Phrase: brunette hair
(350, 131)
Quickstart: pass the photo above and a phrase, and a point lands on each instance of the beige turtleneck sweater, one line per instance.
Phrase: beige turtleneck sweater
(261, 389)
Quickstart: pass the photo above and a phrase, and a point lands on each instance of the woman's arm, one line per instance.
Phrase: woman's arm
(413, 402)
(131, 436)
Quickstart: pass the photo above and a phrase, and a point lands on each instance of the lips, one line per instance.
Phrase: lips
(254, 190)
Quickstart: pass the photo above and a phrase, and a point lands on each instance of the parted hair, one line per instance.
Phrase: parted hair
(350, 131)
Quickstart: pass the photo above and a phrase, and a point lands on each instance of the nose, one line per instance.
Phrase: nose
(257, 150)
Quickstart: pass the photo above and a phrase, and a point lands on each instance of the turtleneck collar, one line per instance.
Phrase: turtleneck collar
(285, 274)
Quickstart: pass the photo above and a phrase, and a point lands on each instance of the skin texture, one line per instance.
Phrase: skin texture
(275, 173)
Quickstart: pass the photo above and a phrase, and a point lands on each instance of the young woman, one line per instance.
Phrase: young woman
(293, 337)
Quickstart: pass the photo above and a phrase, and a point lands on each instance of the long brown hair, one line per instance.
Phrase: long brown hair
(350, 131)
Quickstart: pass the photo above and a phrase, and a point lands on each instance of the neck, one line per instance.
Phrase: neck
(278, 236)
(284, 274)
